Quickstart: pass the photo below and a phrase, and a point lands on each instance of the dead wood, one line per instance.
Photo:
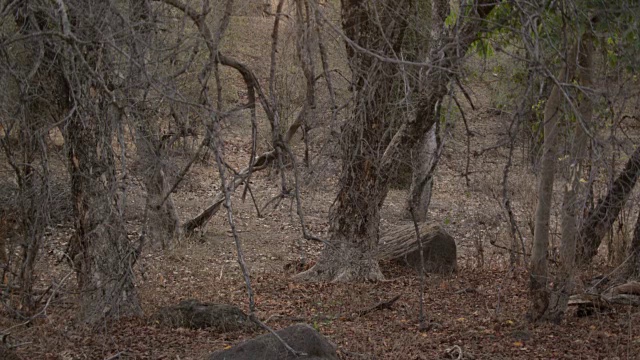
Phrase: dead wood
(629, 288)
(439, 249)
(192, 314)
(625, 294)
(589, 304)
(625, 299)
(401, 240)
(379, 306)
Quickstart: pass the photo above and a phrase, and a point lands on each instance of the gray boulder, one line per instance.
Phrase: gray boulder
(302, 338)
(439, 253)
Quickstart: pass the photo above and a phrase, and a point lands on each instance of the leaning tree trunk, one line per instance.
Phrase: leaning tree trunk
(601, 218)
(574, 191)
(368, 158)
(538, 275)
(631, 268)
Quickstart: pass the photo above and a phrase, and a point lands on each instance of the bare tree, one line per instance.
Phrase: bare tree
(77, 78)
(162, 221)
(375, 33)
(574, 189)
(553, 114)
(31, 101)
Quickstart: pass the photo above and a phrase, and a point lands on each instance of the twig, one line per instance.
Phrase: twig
(379, 306)
(421, 317)
(464, 92)
(116, 356)
(44, 308)
(469, 134)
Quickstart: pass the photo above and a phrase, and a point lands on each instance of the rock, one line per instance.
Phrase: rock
(301, 337)
(439, 252)
(193, 314)
(439, 248)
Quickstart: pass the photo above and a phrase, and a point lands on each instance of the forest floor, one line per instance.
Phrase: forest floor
(480, 310)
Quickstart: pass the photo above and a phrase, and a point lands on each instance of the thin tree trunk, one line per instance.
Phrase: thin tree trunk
(539, 275)
(305, 23)
(425, 160)
(162, 219)
(574, 192)
(163, 222)
(424, 157)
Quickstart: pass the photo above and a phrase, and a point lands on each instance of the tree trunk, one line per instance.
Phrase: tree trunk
(425, 155)
(354, 218)
(35, 95)
(162, 221)
(538, 276)
(631, 269)
(601, 218)
(102, 256)
(369, 157)
(99, 250)
(574, 191)
(425, 159)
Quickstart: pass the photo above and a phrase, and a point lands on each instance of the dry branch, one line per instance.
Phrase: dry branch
(379, 306)
(402, 240)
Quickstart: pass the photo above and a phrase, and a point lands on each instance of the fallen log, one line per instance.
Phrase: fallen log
(401, 244)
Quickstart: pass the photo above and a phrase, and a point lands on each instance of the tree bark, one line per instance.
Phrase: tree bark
(631, 269)
(99, 250)
(425, 155)
(162, 220)
(354, 217)
(401, 240)
(368, 158)
(538, 275)
(101, 254)
(574, 191)
(601, 218)
(425, 159)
